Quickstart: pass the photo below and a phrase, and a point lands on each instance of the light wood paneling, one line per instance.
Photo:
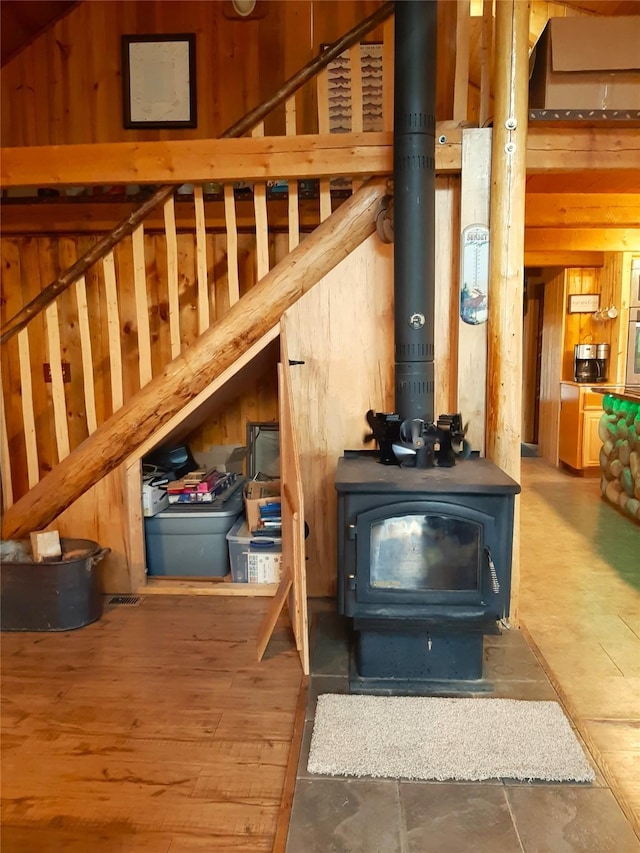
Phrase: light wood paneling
(446, 297)
(614, 292)
(98, 515)
(86, 342)
(472, 340)
(578, 328)
(551, 367)
(347, 370)
(294, 567)
(530, 343)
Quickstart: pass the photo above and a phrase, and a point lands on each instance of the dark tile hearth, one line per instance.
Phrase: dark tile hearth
(352, 815)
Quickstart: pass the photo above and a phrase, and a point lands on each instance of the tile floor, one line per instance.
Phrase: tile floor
(580, 605)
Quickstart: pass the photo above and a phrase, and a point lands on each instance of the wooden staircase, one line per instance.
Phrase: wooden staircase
(67, 313)
(216, 350)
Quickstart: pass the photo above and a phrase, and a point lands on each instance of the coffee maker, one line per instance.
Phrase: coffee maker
(590, 362)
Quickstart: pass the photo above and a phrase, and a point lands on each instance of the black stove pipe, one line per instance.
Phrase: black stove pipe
(414, 206)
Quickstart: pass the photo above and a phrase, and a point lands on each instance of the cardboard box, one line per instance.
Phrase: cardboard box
(225, 458)
(256, 494)
(587, 63)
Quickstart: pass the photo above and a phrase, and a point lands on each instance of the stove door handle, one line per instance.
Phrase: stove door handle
(495, 584)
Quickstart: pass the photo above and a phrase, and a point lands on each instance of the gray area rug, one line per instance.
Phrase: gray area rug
(416, 737)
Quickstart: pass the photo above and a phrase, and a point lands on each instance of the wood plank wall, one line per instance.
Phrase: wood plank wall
(578, 328)
(551, 367)
(347, 369)
(66, 86)
(30, 263)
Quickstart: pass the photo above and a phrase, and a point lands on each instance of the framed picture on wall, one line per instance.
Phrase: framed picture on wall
(583, 303)
(159, 81)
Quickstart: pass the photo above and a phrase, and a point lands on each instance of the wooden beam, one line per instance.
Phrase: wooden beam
(461, 80)
(199, 160)
(564, 258)
(610, 150)
(575, 210)
(582, 239)
(576, 150)
(508, 172)
(188, 374)
(91, 217)
(182, 586)
(592, 181)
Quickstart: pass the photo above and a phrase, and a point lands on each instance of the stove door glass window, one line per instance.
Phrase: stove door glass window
(425, 552)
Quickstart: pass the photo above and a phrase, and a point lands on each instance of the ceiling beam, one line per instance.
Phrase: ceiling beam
(543, 258)
(576, 150)
(582, 239)
(577, 210)
(610, 152)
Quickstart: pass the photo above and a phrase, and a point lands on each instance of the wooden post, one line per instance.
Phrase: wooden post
(472, 340)
(461, 84)
(506, 255)
(486, 62)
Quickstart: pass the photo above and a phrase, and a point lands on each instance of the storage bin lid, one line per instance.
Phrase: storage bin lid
(241, 535)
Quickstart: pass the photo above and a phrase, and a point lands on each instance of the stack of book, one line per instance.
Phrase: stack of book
(199, 486)
(270, 523)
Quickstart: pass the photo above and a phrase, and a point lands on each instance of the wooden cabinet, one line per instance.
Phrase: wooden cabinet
(591, 441)
(580, 412)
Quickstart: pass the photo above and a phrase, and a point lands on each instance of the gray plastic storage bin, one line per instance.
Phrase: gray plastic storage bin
(254, 559)
(191, 540)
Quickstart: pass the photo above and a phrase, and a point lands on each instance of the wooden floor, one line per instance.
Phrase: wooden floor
(152, 730)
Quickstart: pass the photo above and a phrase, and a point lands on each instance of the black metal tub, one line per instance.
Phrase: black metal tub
(55, 595)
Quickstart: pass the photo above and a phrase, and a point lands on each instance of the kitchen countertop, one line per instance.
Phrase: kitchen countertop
(623, 392)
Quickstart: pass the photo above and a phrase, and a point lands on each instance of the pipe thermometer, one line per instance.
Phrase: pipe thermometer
(474, 275)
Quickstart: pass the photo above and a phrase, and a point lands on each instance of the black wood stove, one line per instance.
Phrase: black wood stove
(424, 527)
(424, 559)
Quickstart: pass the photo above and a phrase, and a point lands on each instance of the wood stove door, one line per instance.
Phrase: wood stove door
(424, 552)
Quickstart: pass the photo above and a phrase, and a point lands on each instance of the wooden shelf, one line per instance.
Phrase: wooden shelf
(211, 586)
(586, 118)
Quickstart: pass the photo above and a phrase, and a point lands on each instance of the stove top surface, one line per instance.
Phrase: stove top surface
(360, 471)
